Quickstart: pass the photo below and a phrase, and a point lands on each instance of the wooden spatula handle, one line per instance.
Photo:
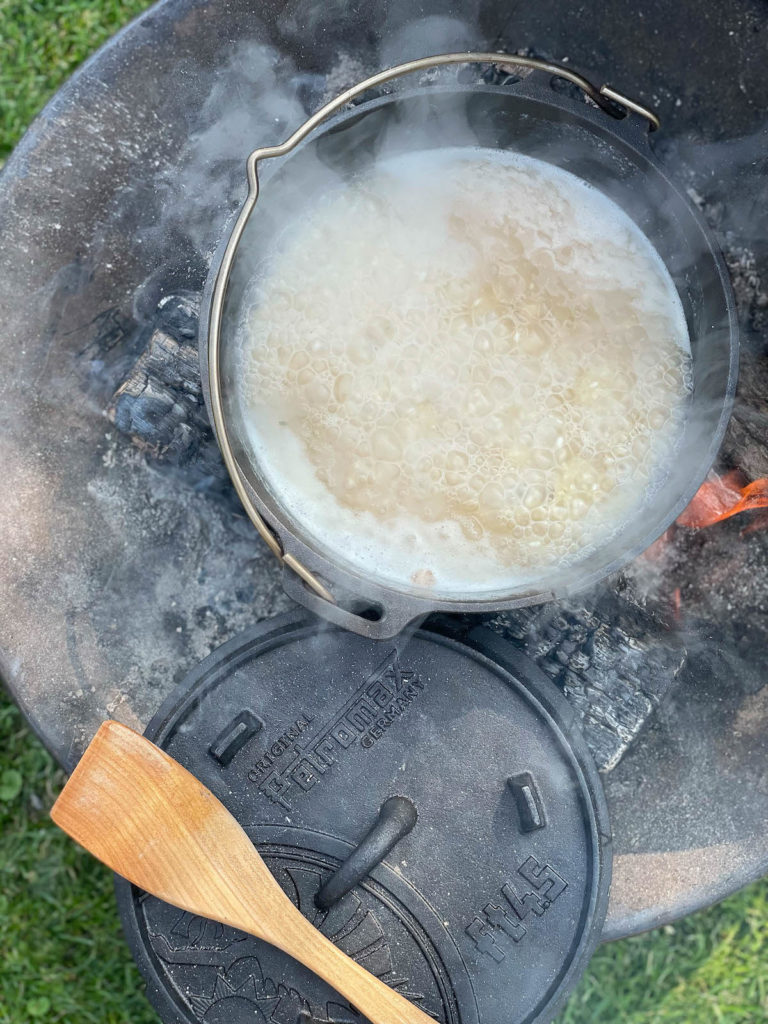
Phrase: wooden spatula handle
(367, 993)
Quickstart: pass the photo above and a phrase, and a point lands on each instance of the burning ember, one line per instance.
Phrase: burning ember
(721, 497)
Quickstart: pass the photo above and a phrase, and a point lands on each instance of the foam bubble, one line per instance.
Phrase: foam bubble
(463, 369)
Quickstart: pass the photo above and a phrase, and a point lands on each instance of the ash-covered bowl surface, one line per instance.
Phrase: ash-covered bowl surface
(485, 911)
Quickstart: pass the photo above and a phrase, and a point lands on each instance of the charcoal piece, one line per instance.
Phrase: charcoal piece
(746, 270)
(614, 662)
(746, 441)
(160, 403)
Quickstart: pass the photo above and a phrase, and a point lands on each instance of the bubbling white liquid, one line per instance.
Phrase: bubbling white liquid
(463, 371)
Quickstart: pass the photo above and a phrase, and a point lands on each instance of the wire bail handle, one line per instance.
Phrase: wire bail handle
(605, 97)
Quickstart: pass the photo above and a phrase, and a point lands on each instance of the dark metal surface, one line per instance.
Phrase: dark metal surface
(478, 918)
(118, 575)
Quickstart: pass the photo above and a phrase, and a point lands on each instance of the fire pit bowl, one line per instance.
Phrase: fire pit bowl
(604, 143)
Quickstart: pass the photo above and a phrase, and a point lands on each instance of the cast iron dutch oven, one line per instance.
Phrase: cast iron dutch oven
(605, 142)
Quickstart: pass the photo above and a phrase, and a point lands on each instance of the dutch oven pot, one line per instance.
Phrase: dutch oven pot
(606, 144)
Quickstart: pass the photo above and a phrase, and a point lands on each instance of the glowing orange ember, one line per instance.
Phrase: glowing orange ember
(720, 497)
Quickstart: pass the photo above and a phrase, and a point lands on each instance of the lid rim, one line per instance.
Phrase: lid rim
(507, 663)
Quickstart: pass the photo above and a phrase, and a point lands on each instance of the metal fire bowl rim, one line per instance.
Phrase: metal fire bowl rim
(54, 731)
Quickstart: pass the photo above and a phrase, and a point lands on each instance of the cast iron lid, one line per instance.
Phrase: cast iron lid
(456, 774)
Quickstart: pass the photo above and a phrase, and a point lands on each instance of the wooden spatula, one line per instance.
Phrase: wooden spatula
(150, 820)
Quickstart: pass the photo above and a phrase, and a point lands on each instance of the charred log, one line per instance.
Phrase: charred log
(160, 403)
(614, 662)
(745, 446)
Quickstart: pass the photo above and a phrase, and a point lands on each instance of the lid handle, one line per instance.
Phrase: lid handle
(397, 816)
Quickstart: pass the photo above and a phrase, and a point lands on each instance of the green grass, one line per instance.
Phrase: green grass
(41, 43)
(713, 966)
(62, 956)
